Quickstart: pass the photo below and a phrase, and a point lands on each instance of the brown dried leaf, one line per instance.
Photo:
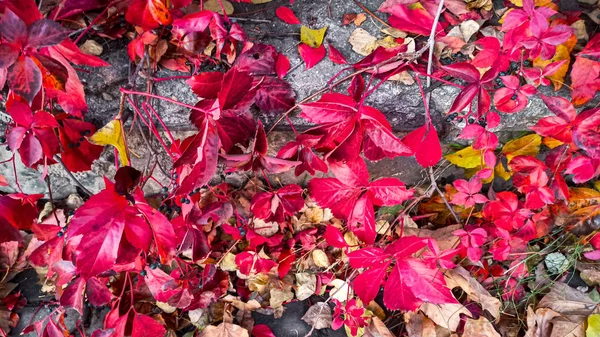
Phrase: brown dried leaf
(479, 328)
(567, 301)
(360, 18)
(417, 325)
(347, 18)
(319, 316)
(459, 277)
(446, 315)
(224, 330)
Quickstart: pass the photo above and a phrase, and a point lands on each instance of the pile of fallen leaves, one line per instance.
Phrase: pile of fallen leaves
(507, 250)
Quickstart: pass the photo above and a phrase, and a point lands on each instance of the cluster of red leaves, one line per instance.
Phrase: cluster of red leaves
(118, 250)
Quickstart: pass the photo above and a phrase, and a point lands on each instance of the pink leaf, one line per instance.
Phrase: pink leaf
(287, 15)
(311, 56)
(335, 56)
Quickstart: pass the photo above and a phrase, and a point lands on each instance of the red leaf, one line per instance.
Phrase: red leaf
(262, 330)
(44, 33)
(367, 284)
(25, 78)
(388, 192)
(12, 28)
(78, 153)
(148, 14)
(464, 71)
(206, 84)
(332, 107)
(201, 157)
(282, 65)
(276, 206)
(335, 56)
(412, 20)
(144, 326)
(361, 220)
(287, 15)
(413, 282)
(584, 80)
(404, 247)
(379, 140)
(73, 295)
(366, 257)
(275, 95)
(234, 89)
(425, 145)
(31, 150)
(334, 237)
(311, 56)
(97, 293)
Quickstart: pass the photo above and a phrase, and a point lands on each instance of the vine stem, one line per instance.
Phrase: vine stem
(437, 188)
(77, 182)
(131, 92)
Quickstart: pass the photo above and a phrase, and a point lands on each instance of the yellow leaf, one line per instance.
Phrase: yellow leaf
(562, 53)
(112, 134)
(525, 146)
(312, 37)
(551, 142)
(501, 172)
(466, 158)
(593, 329)
(260, 1)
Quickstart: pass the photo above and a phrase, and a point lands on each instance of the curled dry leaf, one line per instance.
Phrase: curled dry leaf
(91, 47)
(446, 315)
(280, 296)
(320, 258)
(459, 277)
(319, 316)
(306, 285)
(417, 325)
(224, 330)
(479, 328)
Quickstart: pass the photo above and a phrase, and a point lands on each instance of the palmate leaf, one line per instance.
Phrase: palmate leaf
(108, 224)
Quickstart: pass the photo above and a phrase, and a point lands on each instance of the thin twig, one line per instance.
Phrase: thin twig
(77, 182)
(250, 20)
(52, 200)
(437, 188)
(371, 13)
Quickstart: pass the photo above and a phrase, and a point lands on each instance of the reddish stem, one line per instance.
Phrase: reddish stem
(131, 92)
(96, 19)
(162, 123)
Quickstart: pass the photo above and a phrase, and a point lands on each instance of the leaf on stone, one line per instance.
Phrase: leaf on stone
(112, 134)
(525, 146)
(224, 330)
(287, 15)
(319, 316)
(311, 56)
(312, 37)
